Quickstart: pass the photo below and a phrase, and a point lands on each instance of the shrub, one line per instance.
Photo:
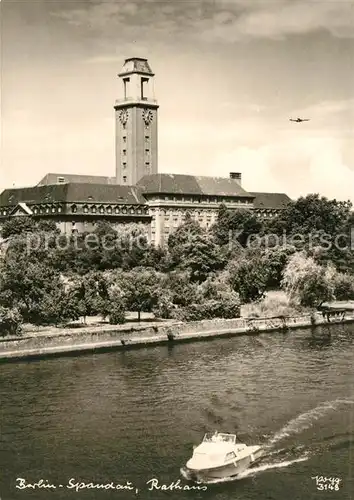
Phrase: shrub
(117, 313)
(344, 286)
(10, 321)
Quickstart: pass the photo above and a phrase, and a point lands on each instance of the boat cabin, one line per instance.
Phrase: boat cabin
(219, 437)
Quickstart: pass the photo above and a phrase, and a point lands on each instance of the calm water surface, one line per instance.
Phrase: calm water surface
(135, 415)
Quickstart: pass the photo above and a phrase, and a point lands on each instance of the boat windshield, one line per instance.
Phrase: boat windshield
(219, 438)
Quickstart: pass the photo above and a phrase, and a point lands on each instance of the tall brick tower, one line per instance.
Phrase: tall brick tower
(136, 123)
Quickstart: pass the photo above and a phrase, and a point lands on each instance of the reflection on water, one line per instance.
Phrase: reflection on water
(135, 415)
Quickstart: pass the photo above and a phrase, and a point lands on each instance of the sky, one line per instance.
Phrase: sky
(228, 76)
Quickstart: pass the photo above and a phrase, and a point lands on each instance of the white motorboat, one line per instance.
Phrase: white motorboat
(220, 456)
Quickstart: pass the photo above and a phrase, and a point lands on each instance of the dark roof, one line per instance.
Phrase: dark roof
(271, 200)
(191, 184)
(73, 192)
(52, 178)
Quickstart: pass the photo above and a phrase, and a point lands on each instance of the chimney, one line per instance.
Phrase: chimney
(236, 176)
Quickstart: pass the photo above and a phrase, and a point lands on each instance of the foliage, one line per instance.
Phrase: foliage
(214, 299)
(235, 225)
(165, 307)
(182, 290)
(248, 276)
(193, 249)
(344, 286)
(140, 289)
(306, 282)
(116, 312)
(10, 321)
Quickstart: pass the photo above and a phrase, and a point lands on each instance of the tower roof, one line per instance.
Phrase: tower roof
(136, 65)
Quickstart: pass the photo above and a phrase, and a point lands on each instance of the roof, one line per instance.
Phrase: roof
(72, 192)
(271, 200)
(136, 65)
(191, 184)
(53, 178)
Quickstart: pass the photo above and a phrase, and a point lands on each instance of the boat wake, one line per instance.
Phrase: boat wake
(307, 419)
(276, 457)
(250, 472)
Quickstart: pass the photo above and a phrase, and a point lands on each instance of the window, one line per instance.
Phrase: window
(124, 151)
(124, 179)
(109, 210)
(124, 165)
(147, 151)
(126, 87)
(74, 209)
(85, 209)
(230, 456)
(147, 137)
(124, 138)
(143, 86)
(61, 180)
(93, 209)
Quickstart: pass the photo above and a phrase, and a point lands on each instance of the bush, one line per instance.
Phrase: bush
(210, 309)
(165, 307)
(344, 286)
(117, 313)
(10, 321)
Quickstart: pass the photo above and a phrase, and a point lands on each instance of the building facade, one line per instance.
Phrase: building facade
(137, 194)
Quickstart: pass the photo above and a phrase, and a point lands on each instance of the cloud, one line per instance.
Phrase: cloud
(276, 20)
(295, 166)
(209, 21)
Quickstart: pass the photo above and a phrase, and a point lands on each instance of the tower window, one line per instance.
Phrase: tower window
(124, 151)
(124, 138)
(143, 86)
(147, 137)
(124, 165)
(124, 179)
(126, 86)
(147, 151)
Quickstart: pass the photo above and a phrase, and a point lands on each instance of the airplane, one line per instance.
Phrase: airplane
(298, 120)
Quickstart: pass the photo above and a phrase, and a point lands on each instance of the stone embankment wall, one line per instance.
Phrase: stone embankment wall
(108, 337)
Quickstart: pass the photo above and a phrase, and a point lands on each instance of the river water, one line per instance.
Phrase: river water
(134, 416)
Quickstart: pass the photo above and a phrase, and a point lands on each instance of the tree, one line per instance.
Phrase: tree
(235, 226)
(248, 276)
(314, 213)
(193, 249)
(306, 282)
(31, 287)
(25, 224)
(344, 286)
(10, 321)
(140, 289)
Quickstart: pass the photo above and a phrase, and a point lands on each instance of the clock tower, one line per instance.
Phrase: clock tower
(136, 123)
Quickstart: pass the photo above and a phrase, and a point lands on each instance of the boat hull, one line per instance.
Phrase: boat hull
(230, 470)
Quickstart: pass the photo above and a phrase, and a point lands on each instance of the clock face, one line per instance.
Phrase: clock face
(123, 116)
(147, 116)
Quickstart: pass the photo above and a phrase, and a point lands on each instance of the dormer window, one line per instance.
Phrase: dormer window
(109, 210)
(73, 209)
(85, 209)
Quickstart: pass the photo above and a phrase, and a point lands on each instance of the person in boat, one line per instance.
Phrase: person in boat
(215, 437)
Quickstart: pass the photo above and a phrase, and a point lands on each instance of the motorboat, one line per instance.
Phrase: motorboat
(220, 456)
